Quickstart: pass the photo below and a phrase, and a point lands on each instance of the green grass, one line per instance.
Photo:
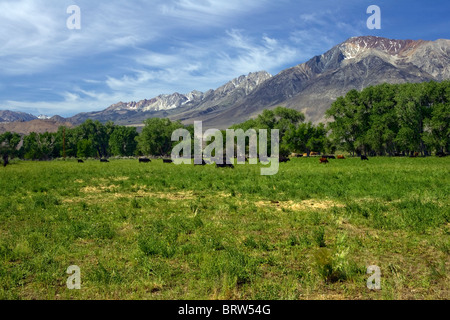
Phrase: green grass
(161, 231)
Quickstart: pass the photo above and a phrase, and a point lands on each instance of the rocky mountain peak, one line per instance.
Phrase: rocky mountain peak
(356, 45)
(248, 83)
(310, 87)
(12, 116)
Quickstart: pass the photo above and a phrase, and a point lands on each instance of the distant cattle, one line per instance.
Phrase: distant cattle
(283, 159)
(167, 161)
(363, 157)
(329, 157)
(323, 160)
(312, 153)
(340, 157)
(224, 164)
(296, 155)
(104, 160)
(441, 154)
(144, 160)
(80, 161)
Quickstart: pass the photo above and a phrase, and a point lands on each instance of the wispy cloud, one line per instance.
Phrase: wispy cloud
(133, 50)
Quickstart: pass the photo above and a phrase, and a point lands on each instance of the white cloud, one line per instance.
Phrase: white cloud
(139, 49)
(210, 12)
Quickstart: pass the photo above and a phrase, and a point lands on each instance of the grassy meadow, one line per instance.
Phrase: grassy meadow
(161, 231)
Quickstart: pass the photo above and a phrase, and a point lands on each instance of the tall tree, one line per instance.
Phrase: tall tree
(122, 141)
(306, 138)
(156, 137)
(8, 146)
(97, 133)
(437, 133)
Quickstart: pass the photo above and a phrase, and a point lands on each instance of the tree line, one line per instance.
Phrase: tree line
(393, 119)
(388, 119)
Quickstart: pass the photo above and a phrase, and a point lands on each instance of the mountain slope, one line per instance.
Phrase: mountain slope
(12, 116)
(179, 106)
(355, 64)
(310, 87)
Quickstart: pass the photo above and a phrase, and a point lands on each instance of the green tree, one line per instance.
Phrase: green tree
(8, 146)
(97, 133)
(437, 133)
(388, 118)
(306, 138)
(31, 147)
(156, 137)
(85, 149)
(122, 141)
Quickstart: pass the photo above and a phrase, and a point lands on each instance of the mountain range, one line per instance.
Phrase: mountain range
(310, 87)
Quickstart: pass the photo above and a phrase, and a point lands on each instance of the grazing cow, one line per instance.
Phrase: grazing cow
(144, 160)
(323, 160)
(329, 157)
(167, 161)
(80, 161)
(363, 157)
(312, 153)
(224, 164)
(104, 160)
(441, 154)
(283, 159)
(340, 157)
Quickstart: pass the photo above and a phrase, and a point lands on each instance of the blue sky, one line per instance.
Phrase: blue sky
(134, 50)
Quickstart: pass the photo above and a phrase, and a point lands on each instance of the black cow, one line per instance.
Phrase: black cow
(167, 161)
(144, 160)
(283, 159)
(363, 157)
(329, 157)
(80, 161)
(104, 160)
(224, 164)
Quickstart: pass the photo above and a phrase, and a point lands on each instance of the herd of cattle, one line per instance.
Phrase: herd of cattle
(322, 159)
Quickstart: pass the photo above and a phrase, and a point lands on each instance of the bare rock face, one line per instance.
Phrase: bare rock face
(178, 106)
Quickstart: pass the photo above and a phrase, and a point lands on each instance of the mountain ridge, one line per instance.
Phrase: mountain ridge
(310, 87)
